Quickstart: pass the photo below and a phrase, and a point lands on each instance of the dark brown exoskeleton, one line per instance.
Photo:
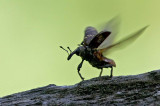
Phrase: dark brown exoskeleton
(93, 45)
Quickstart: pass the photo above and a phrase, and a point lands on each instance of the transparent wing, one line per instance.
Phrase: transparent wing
(111, 26)
(124, 42)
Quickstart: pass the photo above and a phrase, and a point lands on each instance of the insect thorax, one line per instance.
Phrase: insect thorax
(86, 53)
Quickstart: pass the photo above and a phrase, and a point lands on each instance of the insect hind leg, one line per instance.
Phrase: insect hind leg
(111, 75)
(101, 72)
(107, 66)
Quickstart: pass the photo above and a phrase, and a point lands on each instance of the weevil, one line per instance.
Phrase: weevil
(96, 43)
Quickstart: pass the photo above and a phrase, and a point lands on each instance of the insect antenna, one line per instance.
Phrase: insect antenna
(64, 49)
(69, 49)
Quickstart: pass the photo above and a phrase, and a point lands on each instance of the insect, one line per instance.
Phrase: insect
(95, 44)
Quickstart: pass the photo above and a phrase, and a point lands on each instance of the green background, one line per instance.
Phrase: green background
(31, 32)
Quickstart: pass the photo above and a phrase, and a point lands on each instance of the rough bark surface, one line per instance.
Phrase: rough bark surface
(138, 90)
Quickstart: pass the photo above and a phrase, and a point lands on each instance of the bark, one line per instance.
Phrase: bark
(138, 90)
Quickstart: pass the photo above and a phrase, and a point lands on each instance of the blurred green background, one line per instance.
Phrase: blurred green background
(31, 32)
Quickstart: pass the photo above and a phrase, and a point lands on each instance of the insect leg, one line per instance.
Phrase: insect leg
(111, 72)
(101, 72)
(78, 68)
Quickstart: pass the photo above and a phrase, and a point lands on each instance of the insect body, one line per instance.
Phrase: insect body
(91, 50)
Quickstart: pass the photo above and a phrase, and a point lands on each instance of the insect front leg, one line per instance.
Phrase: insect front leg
(78, 68)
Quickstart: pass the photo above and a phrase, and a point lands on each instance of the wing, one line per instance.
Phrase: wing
(89, 34)
(98, 39)
(112, 26)
(107, 35)
(124, 42)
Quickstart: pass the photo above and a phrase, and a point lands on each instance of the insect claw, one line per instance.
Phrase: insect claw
(110, 76)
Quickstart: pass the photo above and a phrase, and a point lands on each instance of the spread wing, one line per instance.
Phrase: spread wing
(105, 37)
(124, 42)
(98, 39)
(89, 34)
(111, 26)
